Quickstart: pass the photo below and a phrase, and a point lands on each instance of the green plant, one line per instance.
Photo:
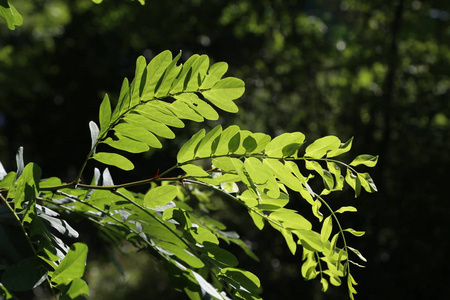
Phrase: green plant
(252, 169)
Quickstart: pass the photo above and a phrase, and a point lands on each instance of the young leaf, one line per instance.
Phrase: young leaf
(94, 133)
(321, 146)
(357, 253)
(19, 161)
(105, 114)
(72, 266)
(114, 159)
(160, 196)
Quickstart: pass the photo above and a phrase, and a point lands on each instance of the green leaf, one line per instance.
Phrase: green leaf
(27, 186)
(315, 209)
(234, 143)
(354, 232)
(114, 159)
(221, 256)
(327, 227)
(289, 240)
(222, 145)
(291, 149)
(262, 177)
(320, 147)
(246, 279)
(291, 219)
(197, 73)
(155, 71)
(224, 92)
(195, 171)
(367, 182)
(160, 196)
(204, 148)
(249, 144)
(215, 73)
(126, 144)
(124, 100)
(354, 181)
(324, 283)
(365, 159)
(275, 147)
(76, 289)
(183, 254)
(311, 240)
(150, 125)
(180, 82)
(139, 81)
(72, 266)
(336, 171)
(10, 14)
(138, 133)
(284, 174)
(155, 110)
(343, 148)
(184, 111)
(168, 77)
(198, 105)
(187, 151)
(105, 114)
(344, 209)
(26, 275)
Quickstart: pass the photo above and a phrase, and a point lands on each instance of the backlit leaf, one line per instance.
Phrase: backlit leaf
(114, 159)
(187, 151)
(160, 196)
(72, 266)
(105, 114)
(327, 227)
(365, 159)
(224, 92)
(275, 147)
(320, 147)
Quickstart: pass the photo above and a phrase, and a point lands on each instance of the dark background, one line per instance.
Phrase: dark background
(376, 70)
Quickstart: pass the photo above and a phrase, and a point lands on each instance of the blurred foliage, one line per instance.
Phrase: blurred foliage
(376, 70)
